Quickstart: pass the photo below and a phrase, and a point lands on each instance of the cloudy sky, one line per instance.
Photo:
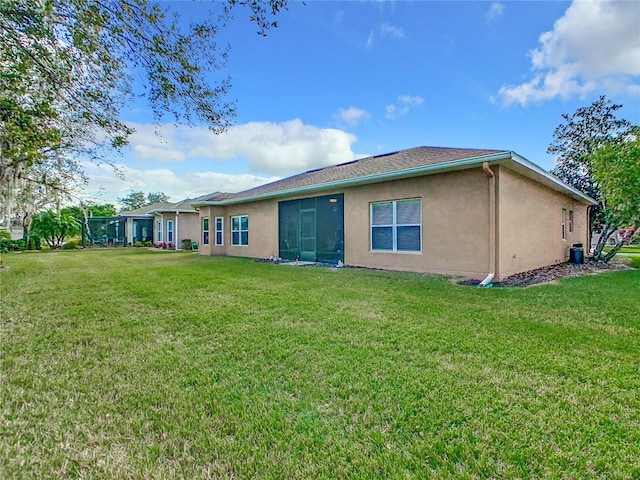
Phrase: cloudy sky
(342, 80)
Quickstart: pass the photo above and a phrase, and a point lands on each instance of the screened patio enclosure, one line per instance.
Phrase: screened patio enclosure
(105, 231)
(312, 229)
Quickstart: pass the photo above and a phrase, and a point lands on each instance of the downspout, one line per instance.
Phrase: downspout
(492, 224)
(589, 232)
(175, 234)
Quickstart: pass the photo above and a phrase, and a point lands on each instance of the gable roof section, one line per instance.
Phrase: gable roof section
(392, 166)
(183, 206)
(138, 212)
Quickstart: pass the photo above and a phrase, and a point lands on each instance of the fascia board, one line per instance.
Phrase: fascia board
(554, 182)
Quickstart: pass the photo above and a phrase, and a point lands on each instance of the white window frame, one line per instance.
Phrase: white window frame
(394, 226)
(218, 231)
(159, 232)
(564, 224)
(570, 221)
(205, 239)
(239, 231)
(169, 231)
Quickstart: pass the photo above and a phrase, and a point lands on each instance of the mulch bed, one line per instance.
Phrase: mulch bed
(551, 273)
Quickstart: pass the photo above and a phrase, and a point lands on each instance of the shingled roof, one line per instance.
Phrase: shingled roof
(391, 166)
(183, 206)
(404, 160)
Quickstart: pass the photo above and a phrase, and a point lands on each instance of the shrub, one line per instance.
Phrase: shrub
(186, 244)
(138, 244)
(70, 245)
(5, 235)
(148, 244)
(34, 242)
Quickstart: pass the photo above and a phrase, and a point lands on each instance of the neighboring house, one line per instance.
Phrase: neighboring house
(138, 224)
(162, 223)
(440, 210)
(175, 222)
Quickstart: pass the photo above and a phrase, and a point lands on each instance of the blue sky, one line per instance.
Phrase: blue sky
(341, 80)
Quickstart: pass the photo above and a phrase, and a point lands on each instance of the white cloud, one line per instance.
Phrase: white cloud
(595, 46)
(496, 10)
(370, 40)
(387, 30)
(383, 31)
(269, 148)
(351, 116)
(106, 186)
(404, 104)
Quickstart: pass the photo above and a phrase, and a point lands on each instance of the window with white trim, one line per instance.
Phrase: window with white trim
(159, 231)
(570, 221)
(205, 230)
(219, 223)
(240, 230)
(396, 226)
(564, 223)
(169, 231)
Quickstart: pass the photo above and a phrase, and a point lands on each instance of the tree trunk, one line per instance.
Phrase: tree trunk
(625, 240)
(607, 231)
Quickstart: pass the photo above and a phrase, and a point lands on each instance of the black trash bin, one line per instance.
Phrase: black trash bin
(576, 254)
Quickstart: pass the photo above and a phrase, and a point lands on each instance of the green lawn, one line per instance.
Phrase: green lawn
(129, 364)
(632, 249)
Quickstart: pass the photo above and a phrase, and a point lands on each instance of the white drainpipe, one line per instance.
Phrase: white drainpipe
(176, 230)
(492, 224)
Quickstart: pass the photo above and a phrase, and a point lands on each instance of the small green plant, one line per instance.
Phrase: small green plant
(186, 244)
(5, 235)
(34, 242)
(148, 244)
(138, 244)
(8, 245)
(70, 245)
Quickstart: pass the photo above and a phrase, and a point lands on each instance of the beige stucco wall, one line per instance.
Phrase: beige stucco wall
(185, 225)
(530, 224)
(454, 224)
(263, 229)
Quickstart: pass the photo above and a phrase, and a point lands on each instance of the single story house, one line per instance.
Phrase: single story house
(466, 212)
(163, 223)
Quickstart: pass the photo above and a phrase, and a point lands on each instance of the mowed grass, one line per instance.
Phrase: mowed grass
(626, 249)
(130, 364)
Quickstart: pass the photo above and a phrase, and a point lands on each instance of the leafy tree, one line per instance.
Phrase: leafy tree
(616, 171)
(54, 227)
(139, 199)
(76, 58)
(67, 66)
(46, 185)
(581, 134)
(156, 197)
(574, 142)
(101, 210)
(133, 200)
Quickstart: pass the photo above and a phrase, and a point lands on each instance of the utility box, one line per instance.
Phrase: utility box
(576, 254)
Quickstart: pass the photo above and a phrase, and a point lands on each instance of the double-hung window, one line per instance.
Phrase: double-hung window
(219, 231)
(396, 226)
(564, 223)
(170, 231)
(570, 221)
(159, 231)
(240, 230)
(205, 230)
